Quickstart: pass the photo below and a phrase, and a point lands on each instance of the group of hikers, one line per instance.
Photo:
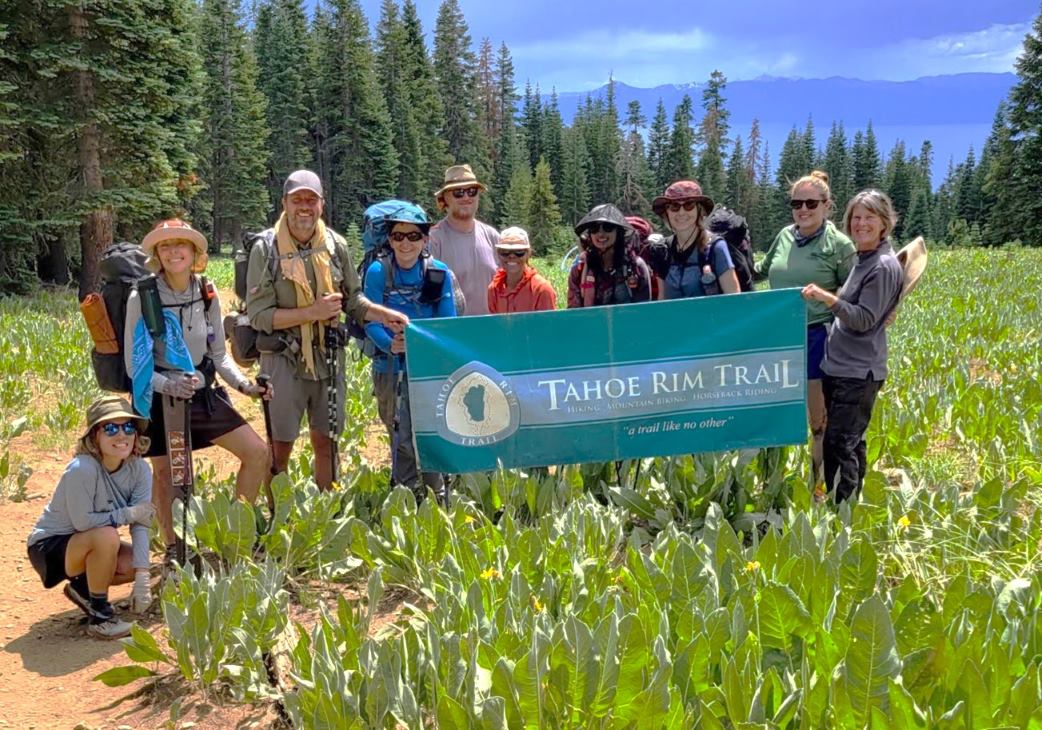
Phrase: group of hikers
(300, 281)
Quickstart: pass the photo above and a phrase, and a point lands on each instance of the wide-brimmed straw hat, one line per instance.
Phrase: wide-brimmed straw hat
(459, 176)
(174, 229)
(513, 239)
(913, 260)
(110, 408)
(680, 191)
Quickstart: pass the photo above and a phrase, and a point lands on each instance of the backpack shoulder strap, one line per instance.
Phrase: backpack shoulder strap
(206, 293)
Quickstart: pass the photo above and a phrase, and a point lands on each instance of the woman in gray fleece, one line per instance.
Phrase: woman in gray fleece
(854, 366)
(107, 484)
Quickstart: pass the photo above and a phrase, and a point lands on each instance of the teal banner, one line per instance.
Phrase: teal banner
(605, 383)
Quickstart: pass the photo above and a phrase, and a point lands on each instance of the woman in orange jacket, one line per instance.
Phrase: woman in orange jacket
(516, 287)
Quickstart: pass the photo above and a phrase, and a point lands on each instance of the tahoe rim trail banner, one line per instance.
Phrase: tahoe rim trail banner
(606, 383)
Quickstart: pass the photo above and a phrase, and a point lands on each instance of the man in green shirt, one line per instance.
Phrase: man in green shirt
(300, 278)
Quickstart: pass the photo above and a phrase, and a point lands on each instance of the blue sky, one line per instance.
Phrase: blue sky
(575, 44)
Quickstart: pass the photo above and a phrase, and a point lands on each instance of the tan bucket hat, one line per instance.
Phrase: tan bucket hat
(459, 176)
(174, 229)
(109, 408)
(913, 260)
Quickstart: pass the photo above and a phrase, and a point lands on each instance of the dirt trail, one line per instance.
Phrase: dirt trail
(47, 662)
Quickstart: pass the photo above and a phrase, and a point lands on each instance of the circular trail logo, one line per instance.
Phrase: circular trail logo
(476, 406)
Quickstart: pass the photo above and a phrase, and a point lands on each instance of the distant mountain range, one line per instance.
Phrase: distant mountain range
(954, 112)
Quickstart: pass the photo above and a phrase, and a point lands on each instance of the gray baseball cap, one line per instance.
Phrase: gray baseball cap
(302, 180)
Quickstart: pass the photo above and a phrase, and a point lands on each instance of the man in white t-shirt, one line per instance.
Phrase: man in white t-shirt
(465, 244)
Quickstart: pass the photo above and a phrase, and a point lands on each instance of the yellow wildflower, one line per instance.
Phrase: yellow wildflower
(904, 522)
(752, 566)
(468, 520)
(536, 605)
(490, 573)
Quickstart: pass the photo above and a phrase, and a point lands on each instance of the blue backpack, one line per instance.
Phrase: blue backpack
(375, 230)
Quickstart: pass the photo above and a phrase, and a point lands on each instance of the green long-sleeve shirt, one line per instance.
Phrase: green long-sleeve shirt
(267, 290)
(826, 261)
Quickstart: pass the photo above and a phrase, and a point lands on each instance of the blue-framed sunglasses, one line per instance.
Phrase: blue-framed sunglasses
(111, 429)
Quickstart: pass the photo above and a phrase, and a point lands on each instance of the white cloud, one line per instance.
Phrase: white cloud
(994, 48)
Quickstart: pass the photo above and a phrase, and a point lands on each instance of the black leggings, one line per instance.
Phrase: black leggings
(849, 404)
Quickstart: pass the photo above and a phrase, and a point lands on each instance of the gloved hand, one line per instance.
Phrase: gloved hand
(179, 387)
(141, 514)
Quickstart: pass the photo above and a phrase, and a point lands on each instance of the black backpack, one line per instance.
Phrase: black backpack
(728, 225)
(122, 267)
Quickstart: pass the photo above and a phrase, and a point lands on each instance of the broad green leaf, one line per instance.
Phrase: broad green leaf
(871, 659)
(119, 676)
(141, 646)
(781, 616)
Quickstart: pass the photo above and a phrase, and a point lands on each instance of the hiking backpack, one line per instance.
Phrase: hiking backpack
(728, 225)
(122, 266)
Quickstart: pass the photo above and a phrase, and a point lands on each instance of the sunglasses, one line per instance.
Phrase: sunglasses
(602, 228)
(468, 192)
(111, 429)
(811, 203)
(413, 236)
(686, 205)
(515, 254)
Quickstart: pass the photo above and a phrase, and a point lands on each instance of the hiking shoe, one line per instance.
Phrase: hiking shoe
(110, 628)
(82, 602)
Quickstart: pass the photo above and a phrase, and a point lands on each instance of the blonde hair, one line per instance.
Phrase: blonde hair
(878, 203)
(818, 179)
(87, 445)
(199, 261)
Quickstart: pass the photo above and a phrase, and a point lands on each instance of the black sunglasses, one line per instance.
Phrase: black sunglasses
(111, 429)
(469, 192)
(686, 205)
(515, 254)
(602, 227)
(811, 203)
(398, 236)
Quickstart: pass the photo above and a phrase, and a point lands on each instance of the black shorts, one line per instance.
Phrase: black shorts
(205, 426)
(48, 559)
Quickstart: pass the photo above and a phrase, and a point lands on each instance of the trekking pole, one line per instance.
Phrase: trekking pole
(332, 332)
(397, 362)
(264, 381)
(177, 415)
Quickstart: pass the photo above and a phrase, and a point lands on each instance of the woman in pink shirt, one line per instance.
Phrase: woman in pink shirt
(516, 287)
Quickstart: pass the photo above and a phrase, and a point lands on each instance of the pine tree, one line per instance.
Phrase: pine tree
(282, 49)
(235, 163)
(543, 214)
(454, 68)
(1003, 213)
(432, 154)
(967, 190)
(504, 158)
(917, 222)
(1019, 162)
(552, 130)
(756, 207)
(678, 164)
(575, 171)
(658, 150)
(532, 123)
(105, 70)
(866, 160)
(740, 184)
(712, 137)
(488, 93)
(360, 162)
(839, 166)
(518, 203)
(898, 184)
(633, 166)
